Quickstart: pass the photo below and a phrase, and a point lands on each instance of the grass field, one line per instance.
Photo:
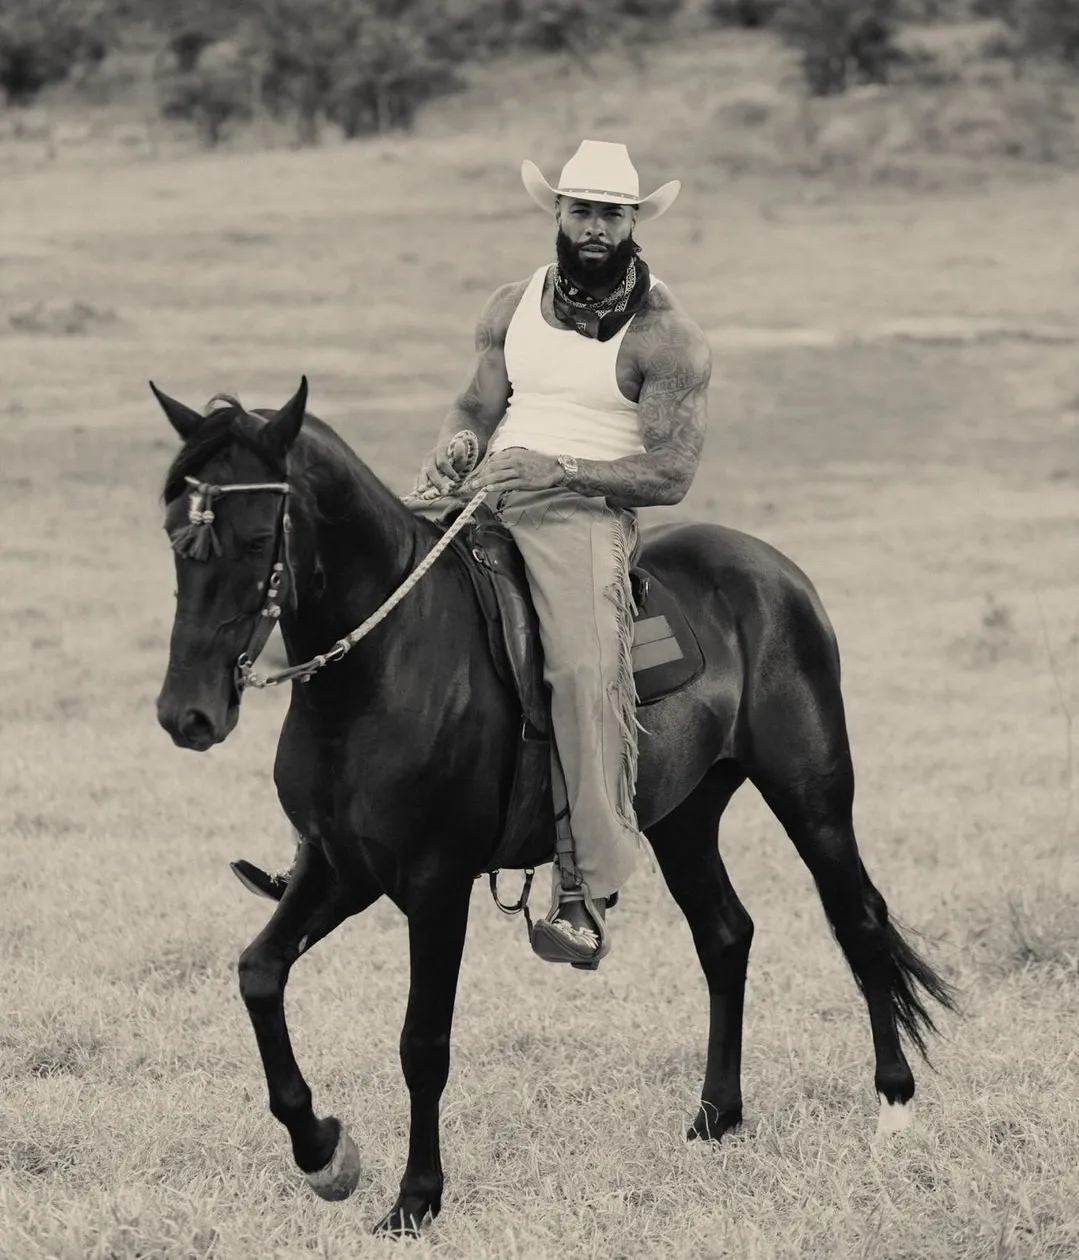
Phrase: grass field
(896, 405)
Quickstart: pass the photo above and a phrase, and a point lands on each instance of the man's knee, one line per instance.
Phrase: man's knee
(575, 677)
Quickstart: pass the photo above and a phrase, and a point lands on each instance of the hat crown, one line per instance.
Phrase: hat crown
(600, 166)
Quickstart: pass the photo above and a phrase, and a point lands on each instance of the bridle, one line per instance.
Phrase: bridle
(197, 539)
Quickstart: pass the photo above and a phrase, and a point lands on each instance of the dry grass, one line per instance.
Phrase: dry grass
(889, 407)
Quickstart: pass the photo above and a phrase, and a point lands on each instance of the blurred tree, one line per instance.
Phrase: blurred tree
(841, 41)
(44, 41)
(205, 81)
(364, 64)
(1043, 28)
(471, 29)
(748, 13)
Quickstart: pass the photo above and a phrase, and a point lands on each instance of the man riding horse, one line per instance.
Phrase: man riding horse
(588, 401)
(397, 778)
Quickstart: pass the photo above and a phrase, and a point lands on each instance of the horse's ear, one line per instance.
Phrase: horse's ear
(281, 430)
(182, 418)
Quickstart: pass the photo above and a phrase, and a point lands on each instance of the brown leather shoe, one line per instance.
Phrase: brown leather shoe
(574, 932)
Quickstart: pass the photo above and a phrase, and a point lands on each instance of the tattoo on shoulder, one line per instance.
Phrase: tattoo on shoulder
(673, 352)
(482, 402)
(660, 299)
(496, 315)
(677, 364)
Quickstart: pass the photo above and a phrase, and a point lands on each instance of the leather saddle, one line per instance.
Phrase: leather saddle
(666, 658)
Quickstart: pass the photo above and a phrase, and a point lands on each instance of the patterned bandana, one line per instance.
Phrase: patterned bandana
(600, 318)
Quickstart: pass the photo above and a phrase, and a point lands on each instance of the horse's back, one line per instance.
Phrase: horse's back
(727, 579)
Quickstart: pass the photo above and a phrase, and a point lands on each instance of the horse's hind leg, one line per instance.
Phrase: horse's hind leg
(803, 769)
(314, 903)
(686, 847)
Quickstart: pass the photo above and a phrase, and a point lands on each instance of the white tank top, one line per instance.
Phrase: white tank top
(566, 399)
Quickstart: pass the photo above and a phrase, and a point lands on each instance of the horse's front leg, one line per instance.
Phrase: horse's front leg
(437, 920)
(314, 903)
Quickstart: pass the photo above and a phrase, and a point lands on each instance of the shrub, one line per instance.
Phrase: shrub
(553, 26)
(206, 82)
(391, 75)
(924, 12)
(1043, 28)
(43, 41)
(1052, 29)
(748, 13)
(365, 64)
(647, 10)
(469, 29)
(841, 41)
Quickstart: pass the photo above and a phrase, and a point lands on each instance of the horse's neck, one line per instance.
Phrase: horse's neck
(362, 544)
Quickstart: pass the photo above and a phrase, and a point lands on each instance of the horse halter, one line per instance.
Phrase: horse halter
(198, 537)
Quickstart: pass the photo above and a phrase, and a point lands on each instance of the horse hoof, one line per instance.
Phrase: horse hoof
(399, 1222)
(341, 1175)
(711, 1124)
(894, 1117)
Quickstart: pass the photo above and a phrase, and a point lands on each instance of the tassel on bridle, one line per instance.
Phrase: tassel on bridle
(195, 540)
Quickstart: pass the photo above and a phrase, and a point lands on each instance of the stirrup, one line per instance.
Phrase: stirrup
(256, 880)
(554, 944)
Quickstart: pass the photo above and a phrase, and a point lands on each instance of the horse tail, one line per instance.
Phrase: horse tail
(913, 981)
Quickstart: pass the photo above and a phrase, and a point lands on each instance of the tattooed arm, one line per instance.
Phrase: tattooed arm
(482, 403)
(673, 415)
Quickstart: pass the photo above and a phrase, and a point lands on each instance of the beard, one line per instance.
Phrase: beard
(594, 273)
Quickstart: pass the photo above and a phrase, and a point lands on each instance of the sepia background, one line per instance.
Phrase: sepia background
(878, 231)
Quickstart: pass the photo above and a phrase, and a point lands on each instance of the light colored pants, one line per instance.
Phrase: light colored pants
(576, 552)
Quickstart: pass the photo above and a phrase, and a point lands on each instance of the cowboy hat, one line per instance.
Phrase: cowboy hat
(599, 171)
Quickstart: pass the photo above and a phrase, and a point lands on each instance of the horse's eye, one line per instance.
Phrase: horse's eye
(256, 547)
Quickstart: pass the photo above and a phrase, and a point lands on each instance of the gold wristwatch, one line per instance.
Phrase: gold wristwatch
(568, 465)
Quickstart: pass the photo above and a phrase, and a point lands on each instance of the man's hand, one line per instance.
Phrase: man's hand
(437, 471)
(444, 466)
(515, 469)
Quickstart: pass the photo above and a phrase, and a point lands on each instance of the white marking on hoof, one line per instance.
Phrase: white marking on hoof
(894, 1117)
(341, 1175)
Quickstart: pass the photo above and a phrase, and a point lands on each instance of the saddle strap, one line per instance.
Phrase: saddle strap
(521, 906)
(565, 853)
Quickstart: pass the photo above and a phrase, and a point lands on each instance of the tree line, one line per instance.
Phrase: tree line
(369, 65)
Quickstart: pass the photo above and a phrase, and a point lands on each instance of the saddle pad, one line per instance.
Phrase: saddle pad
(666, 654)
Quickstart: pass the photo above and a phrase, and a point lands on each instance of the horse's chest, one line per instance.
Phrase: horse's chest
(380, 777)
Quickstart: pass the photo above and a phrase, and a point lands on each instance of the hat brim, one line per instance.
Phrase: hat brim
(544, 194)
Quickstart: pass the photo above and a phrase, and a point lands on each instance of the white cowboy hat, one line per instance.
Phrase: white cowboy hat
(599, 171)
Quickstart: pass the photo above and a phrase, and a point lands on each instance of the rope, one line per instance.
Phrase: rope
(343, 646)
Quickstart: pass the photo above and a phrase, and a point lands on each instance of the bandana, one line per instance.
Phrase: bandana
(600, 318)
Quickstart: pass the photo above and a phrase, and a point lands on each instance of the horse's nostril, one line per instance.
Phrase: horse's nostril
(194, 725)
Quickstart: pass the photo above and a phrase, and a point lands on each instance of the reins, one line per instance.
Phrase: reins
(246, 675)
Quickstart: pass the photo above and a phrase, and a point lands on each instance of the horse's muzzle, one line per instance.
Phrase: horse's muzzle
(198, 726)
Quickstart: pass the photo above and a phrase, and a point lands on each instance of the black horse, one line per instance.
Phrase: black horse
(418, 702)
